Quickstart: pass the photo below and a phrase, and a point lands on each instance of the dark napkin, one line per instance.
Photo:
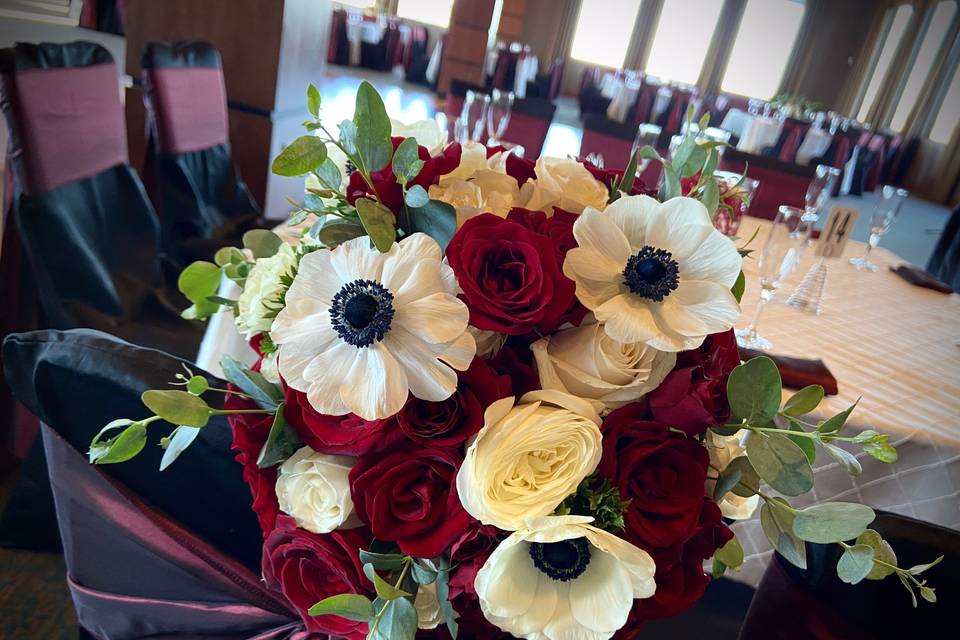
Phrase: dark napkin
(921, 278)
(797, 373)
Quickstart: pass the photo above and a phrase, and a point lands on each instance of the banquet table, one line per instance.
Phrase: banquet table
(360, 31)
(815, 144)
(761, 132)
(893, 345)
(736, 122)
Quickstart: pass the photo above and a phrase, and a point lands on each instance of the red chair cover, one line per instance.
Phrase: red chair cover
(780, 183)
(529, 123)
(793, 133)
(644, 105)
(191, 107)
(615, 151)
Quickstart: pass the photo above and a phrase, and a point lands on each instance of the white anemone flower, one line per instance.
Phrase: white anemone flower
(560, 578)
(653, 272)
(360, 328)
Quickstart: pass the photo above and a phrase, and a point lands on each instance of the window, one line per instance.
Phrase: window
(949, 114)
(682, 38)
(435, 12)
(923, 64)
(898, 26)
(762, 47)
(603, 31)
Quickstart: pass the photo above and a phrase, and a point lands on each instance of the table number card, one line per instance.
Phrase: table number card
(837, 231)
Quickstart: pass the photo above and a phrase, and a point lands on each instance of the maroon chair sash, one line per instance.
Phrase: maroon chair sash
(190, 105)
(615, 151)
(71, 124)
(528, 131)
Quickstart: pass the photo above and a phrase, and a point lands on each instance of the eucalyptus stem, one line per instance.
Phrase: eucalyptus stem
(894, 567)
(802, 434)
(358, 166)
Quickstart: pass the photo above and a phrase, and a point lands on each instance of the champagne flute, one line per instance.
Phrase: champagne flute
(498, 115)
(821, 187)
(777, 261)
(470, 124)
(891, 199)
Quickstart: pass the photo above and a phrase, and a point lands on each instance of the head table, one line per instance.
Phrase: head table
(894, 345)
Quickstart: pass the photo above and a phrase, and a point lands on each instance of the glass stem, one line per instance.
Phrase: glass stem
(765, 297)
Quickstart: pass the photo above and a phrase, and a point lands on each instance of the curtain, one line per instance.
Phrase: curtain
(718, 55)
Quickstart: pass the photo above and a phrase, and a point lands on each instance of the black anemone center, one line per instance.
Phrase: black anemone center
(652, 273)
(564, 560)
(361, 312)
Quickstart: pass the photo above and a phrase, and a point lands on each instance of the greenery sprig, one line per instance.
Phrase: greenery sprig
(596, 497)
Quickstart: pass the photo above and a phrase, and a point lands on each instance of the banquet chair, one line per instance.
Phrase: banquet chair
(945, 261)
(780, 182)
(147, 553)
(788, 142)
(201, 200)
(589, 98)
(609, 138)
(791, 603)
(338, 49)
(529, 122)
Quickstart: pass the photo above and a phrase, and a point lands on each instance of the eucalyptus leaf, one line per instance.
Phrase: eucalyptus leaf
(199, 280)
(383, 588)
(263, 243)
(803, 401)
(739, 287)
(928, 594)
(717, 568)
(348, 138)
(423, 574)
(749, 483)
(753, 390)
(731, 554)
(695, 161)
(436, 219)
(908, 587)
(372, 129)
(416, 196)
(443, 596)
(181, 438)
(379, 223)
(313, 100)
(711, 196)
(282, 442)
(710, 166)
(406, 161)
(123, 447)
(855, 563)
(229, 255)
(266, 394)
(844, 458)
(671, 183)
(920, 568)
(197, 385)
(346, 605)
(382, 561)
(398, 621)
(630, 174)
(834, 424)
(335, 231)
(177, 407)
(806, 444)
(882, 551)
(781, 463)
(301, 156)
(777, 523)
(832, 522)
(679, 159)
(328, 174)
(881, 449)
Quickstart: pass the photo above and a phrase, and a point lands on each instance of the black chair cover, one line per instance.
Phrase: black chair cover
(945, 261)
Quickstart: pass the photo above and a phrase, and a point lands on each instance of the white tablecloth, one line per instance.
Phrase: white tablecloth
(760, 133)
(623, 95)
(433, 66)
(736, 122)
(814, 145)
(359, 31)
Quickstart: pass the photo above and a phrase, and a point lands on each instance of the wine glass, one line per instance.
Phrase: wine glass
(736, 192)
(778, 259)
(824, 180)
(473, 116)
(498, 115)
(647, 136)
(891, 199)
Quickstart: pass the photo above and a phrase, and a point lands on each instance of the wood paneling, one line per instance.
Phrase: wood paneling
(512, 16)
(466, 46)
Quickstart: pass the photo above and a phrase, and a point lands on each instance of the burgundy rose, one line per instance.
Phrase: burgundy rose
(389, 191)
(514, 359)
(607, 176)
(661, 472)
(448, 423)
(307, 567)
(409, 496)
(348, 434)
(511, 276)
(520, 169)
(694, 395)
(468, 555)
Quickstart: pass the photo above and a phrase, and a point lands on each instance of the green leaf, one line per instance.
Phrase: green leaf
(777, 523)
(383, 588)
(671, 183)
(177, 407)
(416, 197)
(436, 219)
(781, 463)
(882, 551)
(717, 569)
(423, 574)
(406, 161)
(881, 450)
(313, 100)
(855, 563)
(443, 596)
(346, 605)
(379, 223)
(920, 568)
(731, 554)
(197, 385)
(739, 287)
(906, 584)
(806, 444)
(704, 121)
(928, 594)
(834, 424)
(335, 231)
(382, 561)
(229, 255)
(398, 621)
(832, 522)
(695, 161)
(181, 438)
(282, 442)
(266, 394)
(803, 401)
(710, 166)
(301, 156)
(630, 174)
(679, 160)
(372, 129)
(348, 138)
(199, 280)
(328, 174)
(711, 196)
(844, 458)
(263, 243)
(123, 447)
(753, 390)
(749, 483)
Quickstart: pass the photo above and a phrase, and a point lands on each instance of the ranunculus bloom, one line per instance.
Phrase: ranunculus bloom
(485, 191)
(529, 457)
(257, 304)
(584, 361)
(723, 449)
(510, 276)
(659, 471)
(693, 396)
(348, 435)
(313, 488)
(408, 496)
(564, 183)
(448, 423)
(308, 567)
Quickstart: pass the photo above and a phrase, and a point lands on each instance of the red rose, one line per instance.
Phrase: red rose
(409, 496)
(514, 359)
(450, 422)
(520, 169)
(607, 176)
(662, 473)
(511, 277)
(389, 191)
(348, 434)
(468, 555)
(694, 395)
(307, 567)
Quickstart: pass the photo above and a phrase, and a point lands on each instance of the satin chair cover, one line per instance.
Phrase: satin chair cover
(945, 261)
(780, 182)
(529, 122)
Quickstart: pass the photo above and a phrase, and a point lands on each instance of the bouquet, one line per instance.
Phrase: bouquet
(500, 396)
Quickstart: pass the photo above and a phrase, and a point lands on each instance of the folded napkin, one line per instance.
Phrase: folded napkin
(921, 278)
(797, 373)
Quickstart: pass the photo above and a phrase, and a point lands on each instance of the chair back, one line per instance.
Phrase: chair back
(789, 140)
(645, 98)
(780, 182)
(945, 261)
(608, 138)
(556, 78)
(529, 122)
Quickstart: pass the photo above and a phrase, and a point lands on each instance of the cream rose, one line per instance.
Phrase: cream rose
(485, 192)
(314, 489)
(489, 343)
(584, 361)
(427, 604)
(256, 306)
(723, 449)
(529, 457)
(427, 133)
(564, 183)
(473, 158)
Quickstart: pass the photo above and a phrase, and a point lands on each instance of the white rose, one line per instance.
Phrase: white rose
(488, 342)
(268, 368)
(584, 361)
(462, 195)
(427, 605)
(529, 457)
(256, 306)
(564, 183)
(314, 489)
(485, 192)
(427, 133)
(473, 158)
(723, 449)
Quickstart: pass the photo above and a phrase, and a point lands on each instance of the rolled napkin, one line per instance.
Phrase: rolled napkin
(797, 373)
(921, 278)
